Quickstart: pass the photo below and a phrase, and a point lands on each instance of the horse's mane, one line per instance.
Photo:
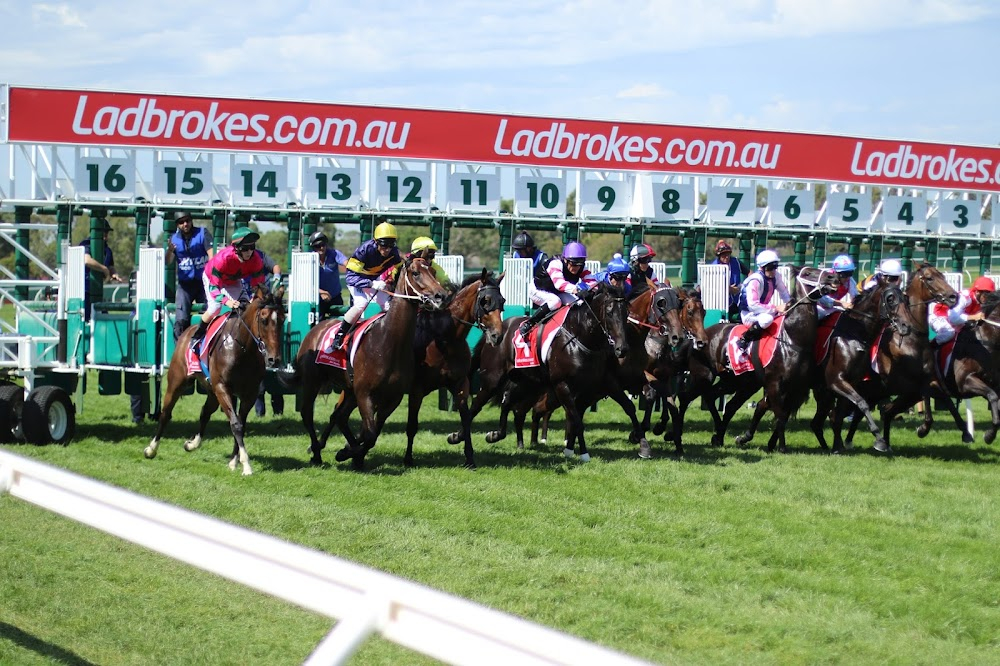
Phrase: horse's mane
(864, 297)
(476, 277)
(990, 303)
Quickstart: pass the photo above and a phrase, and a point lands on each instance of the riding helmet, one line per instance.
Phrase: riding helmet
(575, 250)
(385, 230)
(617, 265)
(181, 215)
(522, 241)
(766, 258)
(984, 283)
(891, 267)
(318, 238)
(843, 264)
(421, 243)
(722, 247)
(243, 236)
(641, 251)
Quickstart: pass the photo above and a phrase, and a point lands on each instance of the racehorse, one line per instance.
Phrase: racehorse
(443, 358)
(843, 369)
(243, 348)
(379, 371)
(975, 360)
(785, 379)
(671, 367)
(576, 369)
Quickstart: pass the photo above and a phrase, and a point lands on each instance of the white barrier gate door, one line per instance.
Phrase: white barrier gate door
(714, 281)
(517, 277)
(955, 280)
(453, 265)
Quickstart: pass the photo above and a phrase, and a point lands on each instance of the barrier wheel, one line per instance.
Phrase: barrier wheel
(11, 406)
(48, 416)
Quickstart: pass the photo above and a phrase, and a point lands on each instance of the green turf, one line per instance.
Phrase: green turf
(726, 556)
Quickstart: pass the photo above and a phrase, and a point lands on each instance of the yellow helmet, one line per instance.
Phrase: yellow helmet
(421, 243)
(385, 230)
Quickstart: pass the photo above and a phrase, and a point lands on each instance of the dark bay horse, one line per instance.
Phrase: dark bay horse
(576, 371)
(381, 371)
(244, 347)
(443, 358)
(840, 376)
(785, 379)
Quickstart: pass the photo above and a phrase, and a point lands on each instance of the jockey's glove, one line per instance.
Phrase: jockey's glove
(378, 285)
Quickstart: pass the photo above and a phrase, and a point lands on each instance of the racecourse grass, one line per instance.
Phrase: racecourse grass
(726, 556)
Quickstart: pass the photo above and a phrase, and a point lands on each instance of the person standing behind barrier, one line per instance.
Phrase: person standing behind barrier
(737, 269)
(192, 246)
(370, 260)
(638, 258)
(562, 280)
(330, 261)
(755, 297)
(847, 289)
(947, 322)
(224, 274)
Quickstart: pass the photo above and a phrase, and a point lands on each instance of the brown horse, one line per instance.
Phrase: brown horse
(785, 379)
(380, 372)
(975, 361)
(244, 347)
(843, 370)
(443, 358)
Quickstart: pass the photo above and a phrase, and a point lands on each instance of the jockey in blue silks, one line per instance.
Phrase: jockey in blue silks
(371, 259)
(616, 274)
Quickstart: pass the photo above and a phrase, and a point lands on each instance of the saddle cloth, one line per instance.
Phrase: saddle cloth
(193, 356)
(337, 358)
(531, 353)
(739, 361)
(824, 333)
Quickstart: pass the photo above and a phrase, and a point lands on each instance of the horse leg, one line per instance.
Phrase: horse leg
(960, 423)
(758, 413)
(494, 436)
(780, 421)
(478, 402)
(574, 424)
(732, 406)
(341, 417)
(638, 434)
(844, 389)
(824, 401)
(898, 406)
(239, 443)
(520, 415)
(211, 404)
(309, 394)
(460, 394)
(412, 422)
(372, 419)
(177, 381)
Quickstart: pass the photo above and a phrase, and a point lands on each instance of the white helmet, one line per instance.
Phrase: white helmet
(767, 257)
(891, 267)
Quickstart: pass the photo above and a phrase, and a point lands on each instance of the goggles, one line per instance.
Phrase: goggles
(575, 262)
(246, 248)
(386, 242)
(618, 277)
(845, 274)
(771, 267)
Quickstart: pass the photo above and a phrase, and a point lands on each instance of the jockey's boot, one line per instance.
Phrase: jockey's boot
(338, 338)
(199, 335)
(530, 322)
(748, 336)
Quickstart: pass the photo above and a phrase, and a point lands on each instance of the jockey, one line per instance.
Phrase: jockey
(616, 274)
(224, 275)
(369, 261)
(558, 282)
(947, 322)
(847, 289)
(638, 258)
(423, 247)
(755, 297)
(724, 256)
(891, 269)
(524, 248)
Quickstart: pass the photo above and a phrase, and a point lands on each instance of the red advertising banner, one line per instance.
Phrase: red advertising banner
(101, 118)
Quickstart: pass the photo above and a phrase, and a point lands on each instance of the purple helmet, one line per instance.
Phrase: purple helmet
(575, 250)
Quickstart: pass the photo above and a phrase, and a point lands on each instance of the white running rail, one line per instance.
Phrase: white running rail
(442, 626)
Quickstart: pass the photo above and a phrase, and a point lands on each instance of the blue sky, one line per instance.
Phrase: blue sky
(912, 69)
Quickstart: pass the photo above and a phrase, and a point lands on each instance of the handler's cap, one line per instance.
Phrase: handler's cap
(245, 236)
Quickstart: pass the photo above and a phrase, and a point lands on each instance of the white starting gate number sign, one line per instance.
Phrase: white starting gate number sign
(332, 186)
(179, 180)
(540, 195)
(729, 203)
(258, 183)
(848, 210)
(906, 214)
(474, 192)
(105, 177)
(959, 216)
(791, 208)
(605, 198)
(673, 202)
(396, 188)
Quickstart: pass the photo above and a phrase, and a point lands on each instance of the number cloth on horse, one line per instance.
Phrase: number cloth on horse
(534, 350)
(328, 354)
(739, 361)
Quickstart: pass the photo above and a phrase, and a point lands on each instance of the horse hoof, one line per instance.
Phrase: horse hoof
(248, 472)
(922, 430)
(493, 436)
(634, 437)
(584, 457)
(190, 446)
(408, 462)
(569, 453)
(881, 446)
(849, 444)
(989, 436)
(316, 460)
(345, 453)
(742, 440)
(471, 466)
(659, 428)
(455, 438)
(716, 440)
(967, 438)
(149, 452)
(645, 452)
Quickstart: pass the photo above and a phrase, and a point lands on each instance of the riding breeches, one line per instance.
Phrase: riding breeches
(554, 301)
(360, 297)
(212, 307)
(762, 319)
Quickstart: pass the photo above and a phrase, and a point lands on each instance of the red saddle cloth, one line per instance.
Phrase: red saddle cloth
(327, 355)
(824, 333)
(943, 357)
(528, 353)
(194, 364)
(740, 361)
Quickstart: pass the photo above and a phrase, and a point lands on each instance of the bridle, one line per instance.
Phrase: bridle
(654, 315)
(481, 311)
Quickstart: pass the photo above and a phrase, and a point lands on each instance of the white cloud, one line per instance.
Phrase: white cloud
(642, 90)
(63, 13)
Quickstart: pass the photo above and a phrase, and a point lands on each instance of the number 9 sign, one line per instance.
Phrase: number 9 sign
(605, 198)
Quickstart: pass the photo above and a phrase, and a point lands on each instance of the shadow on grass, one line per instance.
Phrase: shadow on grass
(40, 647)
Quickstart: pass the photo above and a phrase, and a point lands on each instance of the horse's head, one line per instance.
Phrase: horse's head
(814, 283)
(892, 308)
(693, 316)
(665, 306)
(266, 319)
(929, 284)
(417, 279)
(487, 310)
(609, 306)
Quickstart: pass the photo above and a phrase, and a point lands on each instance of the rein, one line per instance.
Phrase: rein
(477, 308)
(258, 342)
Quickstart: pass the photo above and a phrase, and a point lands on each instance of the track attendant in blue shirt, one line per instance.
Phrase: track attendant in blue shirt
(192, 247)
